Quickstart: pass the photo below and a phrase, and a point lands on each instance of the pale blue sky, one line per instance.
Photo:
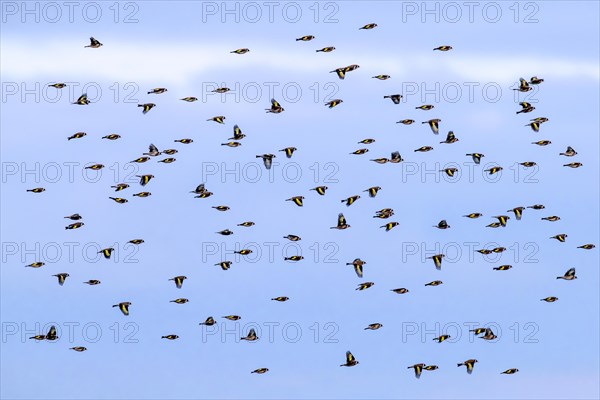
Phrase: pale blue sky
(179, 45)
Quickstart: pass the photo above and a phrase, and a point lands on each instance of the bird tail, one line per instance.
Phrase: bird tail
(458, 365)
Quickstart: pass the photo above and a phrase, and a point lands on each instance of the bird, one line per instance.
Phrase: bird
(442, 225)
(523, 86)
(341, 223)
(494, 170)
(350, 360)
(476, 157)
(320, 190)
(37, 264)
(488, 335)
(243, 252)
(62, 277)
(374, 326)
(106, 252)
(442, 338)
(512, 370)
(76, 225)
(431, 367)
(293, 258)
(550, 299)
(535, 80)
(179, 280)
(503, 268)
(552, 218)
(373, 191)
(418, 369)
(77, 135)
(170, 151)
(218, 119)
(298, 200)
(59, 85)
(36, 190)
(450, 138)
(232, 317)
(225, 232)
(136, 241)
(443, 48)
(247, 224)
(142, 194)
(305, 38)
(400, 290)
(542, 142)
(528, 164)
(289, 151)
(82, 100)
(473, 215)
(221, 90)
(280, 298)
(210, 321)
(261, 370)
(267, 159)
(51, 335)
(381, 77)
(368, 26)
(124, 307)
(389, 226)
(434, 124)
(358, 266)
(276, 108)
(367, 141)
(221, 208)
(562, 237)
(406, 121)
(78, 349)
(93, 282)
(360, 152)
(573, 165)
(231, 144)
(184, 141)
(502, 219)
(525, 108)
(326, 49)
(395, 158)
(293, 238)
(470, 364)
(569, 275)
(437, 260)
(141, 160)
(382, 160)
(425, 107)
(240, 51)
(170, 337)
(494, 225)
(190, 99)
(95, 167)
(225, 265)
(394, 97)
(334, 103)
(152, 151)
(94, 43)
(146, 107)
(424, 149)
(74, 217)
(537, 206)
(518, 211)
(112, 136)
(350, 200)
(570, 152)
(588, 246)
(365, 285)
(158, 91)
(144, 179)
(251, 336)
(434, 283)
(119, 200)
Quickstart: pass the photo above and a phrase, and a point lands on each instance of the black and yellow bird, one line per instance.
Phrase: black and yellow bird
(168, 160)
(511, 370)
(503, 268)
(358, 266)
(179, 301)
(78, 349)
(77, 135)
(94, 43)
(528, 164)
(93, 282)
(76, 225)
(450, 138)
(470, 364)
(418, 369)
(488, 335)
(442, 225)
(261, 370)
(364, 285)
(237, 133)
(450, 171)
(569, 275)
(518, 211)
(267, 159)
(523, 86)
(443, 48)
(62, 277)
(107, 252)
(473, 215)
(142, 194)
(476, 157)
(179, 280)
(225, 265)
(225, 232)
(190, 99)
(406, 121)
(328, 49)
(341, 223)
(218, 119)
(334, 103)
(477, 331)
(51, 335)
(437, 260)
(424, 149)
(136, 241)
(298, 200)
(493, 170)
(484, 251)
(124, 307)
(280, 298)
(146, 107)
(525, 107)
(373, 191)
(381, 160)
(306, 38)
(95, 166)
(588, 246)
(425, 107)
(373, 327)
(240, 51)
(552, 218)
(184, 141)
(562, 237)
(494, 225)
(535, 80)
(360, 152)
(119, 200)
(170, 337)
(320, 189)
(59, 85)
(140, 160)
(152, 151)
(144, 179)
(550, 299)
(221, 90)
(112, 136)
(350, 200)
(170, 151)
(389, 226)
(221, 208)
(573, 165)
(570, 152)
(537, 206)
(394, 97)
(351, 361)
(36, 190)
(82, 100)
(293, 258)
(434, 124)
(503, 219)
(431, 367)
(434, 283)
(293, 238)
(37, 264)
(158, 90)
(396, 158)
(276, 108)
(400, 290)
(243, 252)
(251, 336)
(367, 141)
(368, 26)
(442, 338)
(247, 224)
(232, 317)
(382, 77)
(210, 321)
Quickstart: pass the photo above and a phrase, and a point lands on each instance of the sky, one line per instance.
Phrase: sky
(185, 46)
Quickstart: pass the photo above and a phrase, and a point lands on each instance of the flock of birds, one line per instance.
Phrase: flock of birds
(276, 108)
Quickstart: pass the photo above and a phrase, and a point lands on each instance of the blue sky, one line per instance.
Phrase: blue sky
(185, 47)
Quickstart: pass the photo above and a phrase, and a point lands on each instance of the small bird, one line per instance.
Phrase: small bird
(106, 252)
(247, 224)
(473, 215)
(470, 364)
(588, 246)
(406, 121)
(518, 211)
(119, 200)
(418, 369)
(424, 149)
(425, 107)
(384, 213)
(381, 77)
(261, 370)
(243, 252)
(368, 26)
(298, 200)
(201, 188)
(140, 160)
(484, 251)
(320, 189)
(293, 258)
(528, 164)
(62, 277)
(341, 222)
(51, 335)
(394, 97)
(569, 275)
(221, 90)
(395, 158)
(58, 85)
(326, 49)
(218, 119)
(136, 241)
(367, 141)
(36, 190)
(82, 100)
(170, 337)
(170, 151)
(437, 260)
(442, 338)
(431, 367)
(231, 144)
(240, 51)
(365, 285)
(184, 141)
(570, 152)
(179, 280)
(168, 160)
(442, 225)
(232, 317)
(535, 80)
(112, 136)
(267, 159)
(280, 298)
(306, 38)
(94, 43)
(434, 124)
(179, 301)
(360, 152)
(400, 290)
(380, 160)
(562, 237)
(124, 307)
(225, 265)
(225, 232)
(537, 206)
(152, 151)
(144, 179)
(478, 331)
(523, 86)
(38, 337)
(358, 266)
(146, 107)
(550, 299)
(251, 336)
(77, 135)
(542, 143)
(210, 321)
(525, 108)
(373, 327)
(552, 218)
(512, 370)
(389, 226)
(476, 157)
(221, 208)
(489, 335)
(76, 225)
(74, 217)
(190, 99)
(334, 103)
(276, 108)
(573, 165)
(37, 264)
(350, 200)
(95, 167)
(502, 219)
(494, 170)
(494, 225)
(434, 283)
(450, 138)
(503, 268)
(78, 349)
(93, 282)
(237, 133)
(158, 91)
(293, 238)
(350, 360)
(373, 191)
(443, 48)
